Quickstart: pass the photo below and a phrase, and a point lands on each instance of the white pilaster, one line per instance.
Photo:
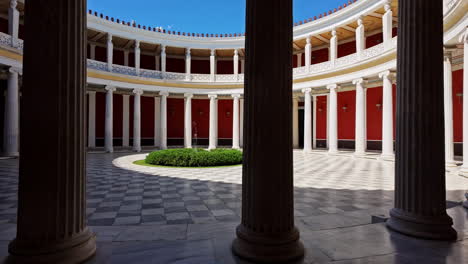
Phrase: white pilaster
(242, 65)
(333, 134)
(464, 40)
(241, 113)
(163, 133)
(109, 133)
(13, 22)
(333, 46)
(213, 140)
(295, 122)
(299, 60)
(110, 52)
(213, 65)
(126, 121)
(157, 121)
(387, 23)
(11, 134)
(163, 59)
(387, 116)
(137, 120)
(360, 149)
(308, 54)
(314, 121)
(307, 120)
(126, 58)
(188, 63)
(448, 110)
(188, 120)
(236, 63)
(235, 122)
(91, 119)
(92, 51)
(137, 56)
(360, 38)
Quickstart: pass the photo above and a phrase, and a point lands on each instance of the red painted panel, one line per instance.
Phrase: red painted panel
(201, 66)
(175, 118)
(374, 113)
(294, 61)
(346, 117)
(346, 49)
(321, 117)
(130, 116)
(175, 65)
(394, 31)
(319, 56)
(117, 115)
(147, 117)
(200, 118)
(100, 114)
(4, 25)
(374, 40)
(225, 118)
(457, 105)
(21, 31)
(148, 62)
(118, 57)
(225, 67)
(131, 59)
(88, 51)
(101, 54)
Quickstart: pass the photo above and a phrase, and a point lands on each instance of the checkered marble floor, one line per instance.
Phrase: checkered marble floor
(123, 194)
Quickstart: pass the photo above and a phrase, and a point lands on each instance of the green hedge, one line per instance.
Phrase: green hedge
(194, 157)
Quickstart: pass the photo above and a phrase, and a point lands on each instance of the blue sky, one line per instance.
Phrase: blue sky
(198, 16)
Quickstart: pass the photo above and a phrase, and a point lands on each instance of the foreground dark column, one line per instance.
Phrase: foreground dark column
(51, 196)
(420, 208)
(267, 232)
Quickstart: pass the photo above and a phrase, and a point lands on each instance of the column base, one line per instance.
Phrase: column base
(137, 150)
(387, 157)
(267, 248)
(450, 164)
(109, 151)
(425, 227)
(332, 152)
(359, 154)
(76, 250)
(307, 150)
(463, 171)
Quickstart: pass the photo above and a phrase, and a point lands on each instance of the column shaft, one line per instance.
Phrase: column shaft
(387, 24)
(464, 40)
(333, 46)
(295, 122)
(267, 232)
(11, 135)
(137, 56)
(13, 21)
(308, 54)
(333, 110)
(235, 122)
(314, 121)
(448, 111)
(51, 225)
(163, 133)
(137, 120)
(188, 64)
(213, 141)
(236, 62)
(307, 121)
(360, 38)
(420, 207)
(213, 65)
(188, 121)
(163, 59)
(91, 119)
(109, 128)
(360, 118)
(241, 114)
(387, 116)
(110, 52)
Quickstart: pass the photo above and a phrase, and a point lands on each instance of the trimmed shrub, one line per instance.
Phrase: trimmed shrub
(194, 157)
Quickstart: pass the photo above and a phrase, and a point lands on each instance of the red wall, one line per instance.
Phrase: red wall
(346, 118)
(101, 54)
(374, 115)
(225, 118)
(225, 67)
(100, 114)
(148, 62)
(321, 117)
(200, 66)
(118, 57)
(175, 118)
(4, 25)
(117, 115)
(457, 106)
(200, 118)
(147, 117)
(374, 40)
(319, 56)
(175, 65)
(346, 49)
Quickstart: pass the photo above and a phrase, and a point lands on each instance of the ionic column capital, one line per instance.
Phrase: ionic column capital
(387, 75)
(164, 93)
(308, 38)
(236, 96)
(15, 70)
(333, 32)
(163, 49)
(90, 92)
(187, 52)
(213, 52)
(109, 37)
(236, 52)
(188, 95)
(213, 96)
(359, 81)
(388, 6)
(138, 91)
(13, 4)
(110, 88)
(137, 44)
(333, 86)
(307, 90)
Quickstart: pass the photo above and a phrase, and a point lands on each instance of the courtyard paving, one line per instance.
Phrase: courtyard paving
(165, 215)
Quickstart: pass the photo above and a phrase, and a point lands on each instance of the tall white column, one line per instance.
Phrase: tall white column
(163, 133)
(387, 116)
(110, 52)
(365, 119)
(241, 113)
(299, 60)
(137, 56)
(333, 134)
(314, 121)
(163, 59)
(464, 40)
(333, 46)
(91, 119)
(188, 120)
(360, 149)
(308, 54)
(13, 22)
(11, 135)
(387, 24)
(109, 133)
(92, 51)
(236, 63)
(295, 122)
(126, 121)
(157, 62)
(242, 65)
(157, 121)
(213, 65)
(307, 120)
(360, 38)
(126, 58)
(213, 140)
(137, 120)
(188, 63)
(448, 110)
(235, 122)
